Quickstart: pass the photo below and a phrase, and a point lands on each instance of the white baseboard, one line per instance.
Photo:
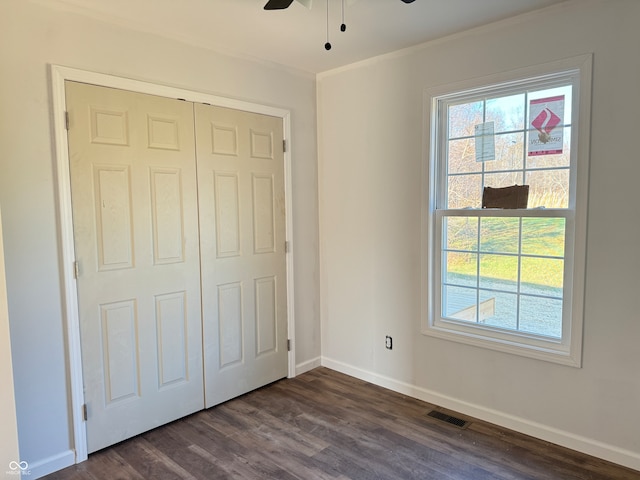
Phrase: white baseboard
(579, 443)
(308, 365)
(40, 468)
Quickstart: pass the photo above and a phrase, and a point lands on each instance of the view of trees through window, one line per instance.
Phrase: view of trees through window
(506, 271)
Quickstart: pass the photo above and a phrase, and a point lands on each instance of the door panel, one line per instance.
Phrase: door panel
(134, 199)
(242, 230)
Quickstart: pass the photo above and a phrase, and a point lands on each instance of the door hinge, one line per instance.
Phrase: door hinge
(84, 412)
(76, 269)
(66, 120)
(284, 145)
(288, 344)
(287, 246)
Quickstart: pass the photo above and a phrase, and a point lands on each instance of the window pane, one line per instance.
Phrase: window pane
(499, 234)
(509, 153)
(548, 188)
(542, 276)
(459, 303)
(542, 316)
(543, 236)
(460, 268)
(499, 309)
(497, 180)
(461, 233)
(464, 191)
(506, 112)
(499, 272)
(463, 118)
(462, 156)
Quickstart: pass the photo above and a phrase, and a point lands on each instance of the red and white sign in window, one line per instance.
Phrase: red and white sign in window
(547, 121)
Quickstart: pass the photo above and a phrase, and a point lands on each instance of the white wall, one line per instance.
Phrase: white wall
(33, 36)
(371, 142)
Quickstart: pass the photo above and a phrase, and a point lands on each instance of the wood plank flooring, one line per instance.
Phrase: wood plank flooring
(329, 426)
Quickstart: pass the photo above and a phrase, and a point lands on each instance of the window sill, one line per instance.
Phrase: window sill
(515, 344)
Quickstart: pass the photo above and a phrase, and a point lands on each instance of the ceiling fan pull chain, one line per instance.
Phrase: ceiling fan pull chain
(343, 27)
(327, 46)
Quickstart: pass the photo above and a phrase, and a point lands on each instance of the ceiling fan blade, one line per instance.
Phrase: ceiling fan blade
(277, 4)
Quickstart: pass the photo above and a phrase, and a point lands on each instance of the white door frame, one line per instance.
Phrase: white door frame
(59, 74)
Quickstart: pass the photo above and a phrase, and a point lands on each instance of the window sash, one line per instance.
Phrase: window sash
(515, 337)
(442, 104)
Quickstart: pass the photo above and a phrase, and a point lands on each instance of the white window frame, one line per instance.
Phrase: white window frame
(568, 349)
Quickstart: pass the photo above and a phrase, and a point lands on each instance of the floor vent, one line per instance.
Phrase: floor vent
(458, 422)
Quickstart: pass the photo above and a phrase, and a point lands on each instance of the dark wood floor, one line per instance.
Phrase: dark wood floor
(326, 425)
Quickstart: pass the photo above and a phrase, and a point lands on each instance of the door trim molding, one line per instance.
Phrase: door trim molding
(60, 74)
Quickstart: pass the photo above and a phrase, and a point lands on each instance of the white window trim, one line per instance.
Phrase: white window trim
(567, 351)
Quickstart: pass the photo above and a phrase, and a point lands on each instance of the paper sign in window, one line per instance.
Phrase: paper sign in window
(485, 142)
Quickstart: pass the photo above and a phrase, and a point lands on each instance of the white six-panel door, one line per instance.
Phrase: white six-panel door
(134, 203)
(242, 231)
(181, 262)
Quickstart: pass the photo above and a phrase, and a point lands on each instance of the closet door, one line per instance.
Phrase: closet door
(133, 182)
(242, 232)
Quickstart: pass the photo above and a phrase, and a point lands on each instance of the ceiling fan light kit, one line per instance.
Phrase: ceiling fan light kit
(283, 4)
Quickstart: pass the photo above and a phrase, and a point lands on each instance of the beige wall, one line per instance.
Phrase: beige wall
(370, 147)
(33, 36)
(371, 142)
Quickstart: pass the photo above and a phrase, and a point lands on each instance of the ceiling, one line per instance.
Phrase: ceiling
(295, 37)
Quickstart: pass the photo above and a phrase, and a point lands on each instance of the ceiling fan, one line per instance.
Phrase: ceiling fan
(282, 4)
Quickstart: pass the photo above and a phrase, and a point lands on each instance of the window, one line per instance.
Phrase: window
(509, 279)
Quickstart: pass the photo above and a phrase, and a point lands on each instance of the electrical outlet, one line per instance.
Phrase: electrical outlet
(388, 342)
